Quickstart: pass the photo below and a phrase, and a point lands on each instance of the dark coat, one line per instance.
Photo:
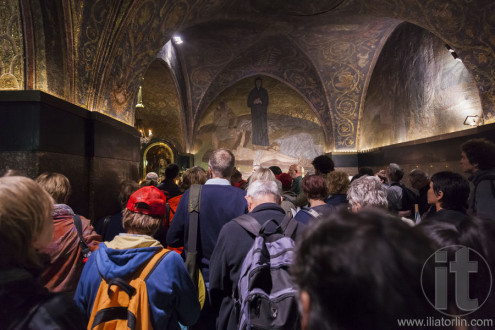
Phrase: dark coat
(219, 204)
(233, 244)
(26, 304)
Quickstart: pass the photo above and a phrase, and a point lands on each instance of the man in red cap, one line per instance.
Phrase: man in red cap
(171, 293)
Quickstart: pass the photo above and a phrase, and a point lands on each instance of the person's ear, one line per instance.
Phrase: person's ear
(249, 200)
(355, 207)
(306, 308)
(280, 199)
(439, 195)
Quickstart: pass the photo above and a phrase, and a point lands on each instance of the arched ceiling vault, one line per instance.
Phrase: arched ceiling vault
(278, 57)
(94, 53)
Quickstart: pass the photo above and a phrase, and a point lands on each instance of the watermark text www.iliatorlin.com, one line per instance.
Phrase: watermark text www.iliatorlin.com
(444, 322)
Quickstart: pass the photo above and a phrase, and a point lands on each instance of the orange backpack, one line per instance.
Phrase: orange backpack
(121, 304)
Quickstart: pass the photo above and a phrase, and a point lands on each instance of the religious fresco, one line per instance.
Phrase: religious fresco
(278, 57)
(295, 134)
(416, 93)
(162, 108)
(11, 47)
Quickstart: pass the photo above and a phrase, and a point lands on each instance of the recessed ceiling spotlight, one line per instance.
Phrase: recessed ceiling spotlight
(178, 40)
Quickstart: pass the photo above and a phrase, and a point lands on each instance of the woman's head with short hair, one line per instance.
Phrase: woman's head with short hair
(337, 182)
(26, 223)
(193, 175)
(315, 187)
(367, 191)
(57, 185)
(455, 190)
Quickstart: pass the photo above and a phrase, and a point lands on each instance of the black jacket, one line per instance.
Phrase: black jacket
(26, 304)
(226, 261)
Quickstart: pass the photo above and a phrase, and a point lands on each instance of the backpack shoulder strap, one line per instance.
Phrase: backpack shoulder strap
(195, 197)
(194, 207)
(153, 263)
(289, 225)
(78, 224)
(311, 212)
(249, 223)
(106, 221)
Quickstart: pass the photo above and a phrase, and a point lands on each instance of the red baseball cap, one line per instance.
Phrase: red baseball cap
(147, 200)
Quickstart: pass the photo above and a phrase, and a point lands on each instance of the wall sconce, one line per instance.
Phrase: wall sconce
(144, 137)
(473, 120)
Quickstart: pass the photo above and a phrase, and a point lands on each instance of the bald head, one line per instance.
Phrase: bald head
(295, 171)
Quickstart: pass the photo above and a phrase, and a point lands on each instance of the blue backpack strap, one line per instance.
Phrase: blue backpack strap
(249, 223)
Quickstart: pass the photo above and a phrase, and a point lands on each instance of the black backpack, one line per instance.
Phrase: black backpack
(409, 198)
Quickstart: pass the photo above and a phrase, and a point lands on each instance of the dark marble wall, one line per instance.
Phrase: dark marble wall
(40, 133)
(417, 90)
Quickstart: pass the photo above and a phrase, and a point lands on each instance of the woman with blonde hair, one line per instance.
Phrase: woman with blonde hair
(26, 227)
(338, 183)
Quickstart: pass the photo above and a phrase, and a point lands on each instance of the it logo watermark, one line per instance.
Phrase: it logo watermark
(462, 280)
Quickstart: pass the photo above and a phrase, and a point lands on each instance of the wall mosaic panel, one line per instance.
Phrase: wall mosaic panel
(343, 55)
(466, 26)
(417, 90)
(295, 133)
(11, 46)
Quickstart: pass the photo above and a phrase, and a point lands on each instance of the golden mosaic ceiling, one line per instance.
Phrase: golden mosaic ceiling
(95, 53)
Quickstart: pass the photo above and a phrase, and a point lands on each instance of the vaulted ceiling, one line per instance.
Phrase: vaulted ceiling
(95, 53)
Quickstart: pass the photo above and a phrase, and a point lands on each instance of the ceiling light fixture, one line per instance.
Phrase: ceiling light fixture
(178, 40)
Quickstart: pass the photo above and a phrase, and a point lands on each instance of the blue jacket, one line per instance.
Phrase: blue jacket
(219, 204)
(171, 293)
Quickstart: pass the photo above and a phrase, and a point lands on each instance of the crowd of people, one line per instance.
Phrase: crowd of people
(277, 250)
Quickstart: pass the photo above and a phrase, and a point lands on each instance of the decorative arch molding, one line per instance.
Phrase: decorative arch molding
(279, 59)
